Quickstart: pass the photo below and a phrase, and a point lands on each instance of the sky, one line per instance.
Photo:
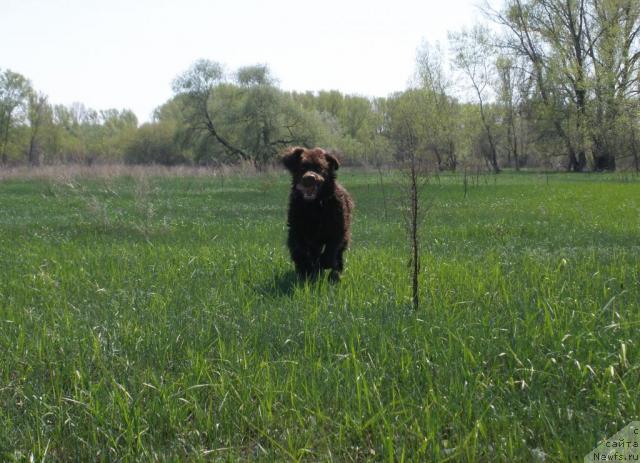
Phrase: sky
(125, 53)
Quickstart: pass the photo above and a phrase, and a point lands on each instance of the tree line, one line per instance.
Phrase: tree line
(34, 131)
(552, 84)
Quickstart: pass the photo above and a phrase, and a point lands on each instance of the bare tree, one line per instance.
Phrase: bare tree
(414, 222)
(407, 129)
(473, 55)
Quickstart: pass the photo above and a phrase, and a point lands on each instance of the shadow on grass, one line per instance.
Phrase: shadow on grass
(283, 283)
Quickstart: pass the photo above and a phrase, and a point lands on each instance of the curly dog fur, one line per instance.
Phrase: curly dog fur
(319, 217)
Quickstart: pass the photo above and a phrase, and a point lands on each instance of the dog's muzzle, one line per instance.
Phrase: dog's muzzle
(310, 185)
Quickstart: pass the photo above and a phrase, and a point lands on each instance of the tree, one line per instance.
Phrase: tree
(526, 37)
(68, 144)
(268, 124)
(514, 88)
(116, 129)
(79, 134)
(473, 53)
(196, 88)
(153, 144)
(354, 124)
(614, 53)
(585, 56)
(14, 91)
(247, 115)
(39, 115)
(440, 106)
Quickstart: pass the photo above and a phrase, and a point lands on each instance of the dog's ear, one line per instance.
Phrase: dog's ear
(291, 158)
(332, 160)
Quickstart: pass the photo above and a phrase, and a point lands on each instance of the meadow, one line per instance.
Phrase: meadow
(157, 318)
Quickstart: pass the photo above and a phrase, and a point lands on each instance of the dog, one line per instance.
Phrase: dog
(319, 216)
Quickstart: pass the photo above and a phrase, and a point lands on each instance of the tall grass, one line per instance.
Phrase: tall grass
(151, 317)
(70, 172)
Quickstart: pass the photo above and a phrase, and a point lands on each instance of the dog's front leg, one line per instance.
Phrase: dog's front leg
(305, 256)
(331, 257)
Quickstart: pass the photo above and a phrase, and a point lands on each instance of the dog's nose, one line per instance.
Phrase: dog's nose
(308, 180)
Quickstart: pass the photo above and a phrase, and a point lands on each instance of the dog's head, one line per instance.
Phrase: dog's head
(312, 170)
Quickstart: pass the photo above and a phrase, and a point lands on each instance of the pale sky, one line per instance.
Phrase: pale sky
(125, 53)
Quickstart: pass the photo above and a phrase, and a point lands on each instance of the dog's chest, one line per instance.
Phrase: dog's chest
(314, 219)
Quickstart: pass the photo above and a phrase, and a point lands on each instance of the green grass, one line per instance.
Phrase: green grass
(159, 319)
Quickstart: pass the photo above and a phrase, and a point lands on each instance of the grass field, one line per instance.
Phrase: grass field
(158, 318)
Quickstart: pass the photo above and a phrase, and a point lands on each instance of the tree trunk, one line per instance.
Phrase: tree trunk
(577, 162)
(452, 161)
(514, 145)
(510, 138)
(33, 156)
(603, 159)
(493, 154)
(634, 149)
(5, 142)
(436, 151)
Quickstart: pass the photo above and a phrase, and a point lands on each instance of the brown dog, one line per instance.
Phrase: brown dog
(319, 216)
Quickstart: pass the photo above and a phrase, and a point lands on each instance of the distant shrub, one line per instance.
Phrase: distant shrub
(153, 144)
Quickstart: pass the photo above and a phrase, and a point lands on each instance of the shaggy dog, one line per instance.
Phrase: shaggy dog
(319, 216)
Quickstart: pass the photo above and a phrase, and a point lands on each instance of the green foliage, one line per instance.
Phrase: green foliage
(14, 92)
(584, 58)
(33, 130)
(473, 55)
(555, 87)
(159, 319)
(406, 128)
(153, 144)
(248, 118)
(444, 135)
(86, 135)
(251, 76)
(40, 117)
(354, 125)
(199, 79)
